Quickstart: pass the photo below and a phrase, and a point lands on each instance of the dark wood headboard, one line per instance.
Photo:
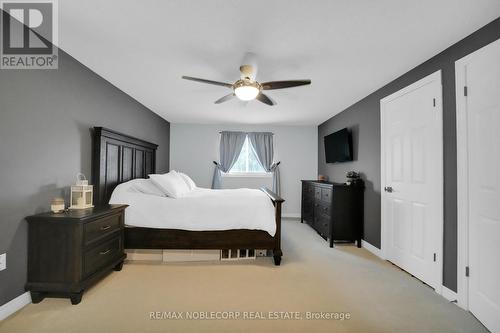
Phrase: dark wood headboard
(118, 158)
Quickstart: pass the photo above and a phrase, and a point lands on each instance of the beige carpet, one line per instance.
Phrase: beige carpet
(313, 278)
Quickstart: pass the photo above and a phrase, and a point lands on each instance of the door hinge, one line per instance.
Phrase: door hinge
(434, 257)
(465, 90)
(434, 102)
(467, 271)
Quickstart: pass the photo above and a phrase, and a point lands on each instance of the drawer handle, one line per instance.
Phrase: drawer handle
(105, 227)
(105, 252)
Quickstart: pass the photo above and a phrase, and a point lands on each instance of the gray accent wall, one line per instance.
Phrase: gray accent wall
(45, 117)
(364, 120)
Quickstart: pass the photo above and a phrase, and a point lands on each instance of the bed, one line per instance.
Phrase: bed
(119, 158)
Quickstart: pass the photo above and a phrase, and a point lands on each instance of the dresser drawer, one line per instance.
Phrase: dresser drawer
(323, 225)
(307, 190)
(322, 208)
(100, 228)
(325, 208)
(101, 255)
(317, 192)
(326, 194)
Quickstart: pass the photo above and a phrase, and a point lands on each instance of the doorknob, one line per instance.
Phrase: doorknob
(388, 189)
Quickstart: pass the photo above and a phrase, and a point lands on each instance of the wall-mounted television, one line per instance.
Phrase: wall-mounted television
(338, 146)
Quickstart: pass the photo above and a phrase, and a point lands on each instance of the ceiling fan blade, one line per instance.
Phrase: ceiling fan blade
(225, 98)
(217, 83)
(284, 84)
(265, 99)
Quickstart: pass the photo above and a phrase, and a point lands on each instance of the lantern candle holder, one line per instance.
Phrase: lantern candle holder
(81, 193)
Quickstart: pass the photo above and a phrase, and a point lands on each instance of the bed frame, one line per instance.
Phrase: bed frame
(118, 158)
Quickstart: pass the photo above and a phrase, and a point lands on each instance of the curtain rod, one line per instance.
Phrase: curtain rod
(250, 132)
(277, 163)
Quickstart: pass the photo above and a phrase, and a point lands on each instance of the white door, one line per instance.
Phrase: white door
(412, 179)
(480, 73)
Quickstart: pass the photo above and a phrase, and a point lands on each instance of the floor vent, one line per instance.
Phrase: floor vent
(237, 254)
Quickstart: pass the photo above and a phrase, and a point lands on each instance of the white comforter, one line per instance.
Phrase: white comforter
(201, 209)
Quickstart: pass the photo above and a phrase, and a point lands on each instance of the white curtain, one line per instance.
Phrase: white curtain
(229, 150)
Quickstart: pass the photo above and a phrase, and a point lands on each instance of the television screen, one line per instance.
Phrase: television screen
(338, 146)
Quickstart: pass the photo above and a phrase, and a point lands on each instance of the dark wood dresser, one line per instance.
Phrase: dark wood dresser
(67, 252)
(334, 210)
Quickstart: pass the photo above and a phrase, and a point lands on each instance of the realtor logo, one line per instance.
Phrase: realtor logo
(28, 32)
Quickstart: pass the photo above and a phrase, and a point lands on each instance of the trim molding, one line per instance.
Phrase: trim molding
(463, 199)
(462, 185)
(291, 215)
(371, 248)
(14, 305)
(449, 294)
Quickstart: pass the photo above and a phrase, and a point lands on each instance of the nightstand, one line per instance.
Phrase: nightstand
(68, 252)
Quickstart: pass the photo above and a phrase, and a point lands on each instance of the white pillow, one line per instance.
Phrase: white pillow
(146, 186)
(171, 184)
(190, 183)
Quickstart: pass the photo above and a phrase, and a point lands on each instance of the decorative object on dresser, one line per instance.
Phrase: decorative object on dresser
(334, 210)
(57, 205)
(68, 252)
(353, 178)
(81, 193)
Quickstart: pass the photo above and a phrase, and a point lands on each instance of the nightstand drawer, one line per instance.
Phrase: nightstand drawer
(101, 255)
(100, 228)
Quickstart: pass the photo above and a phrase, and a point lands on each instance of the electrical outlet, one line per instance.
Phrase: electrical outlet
(3, 261)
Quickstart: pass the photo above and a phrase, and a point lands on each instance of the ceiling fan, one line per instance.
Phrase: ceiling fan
(247, 88)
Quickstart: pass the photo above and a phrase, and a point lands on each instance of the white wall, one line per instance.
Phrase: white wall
(194, 147)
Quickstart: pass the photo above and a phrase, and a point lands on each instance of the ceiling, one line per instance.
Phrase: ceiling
(347, 48)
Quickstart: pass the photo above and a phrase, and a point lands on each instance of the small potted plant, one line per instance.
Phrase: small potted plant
(353, 178)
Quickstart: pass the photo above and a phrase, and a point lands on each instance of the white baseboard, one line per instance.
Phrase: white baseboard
(376, 251)
(15, 305)
(291, 215)
(450, 295)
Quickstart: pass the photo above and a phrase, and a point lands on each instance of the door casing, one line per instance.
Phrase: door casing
(462, 178)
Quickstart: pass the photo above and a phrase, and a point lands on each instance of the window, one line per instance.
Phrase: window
(247, 163)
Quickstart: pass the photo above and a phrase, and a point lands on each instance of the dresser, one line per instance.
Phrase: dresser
(70, 251)
(334, 210)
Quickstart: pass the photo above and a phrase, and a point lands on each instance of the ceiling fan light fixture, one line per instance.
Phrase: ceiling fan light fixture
(246, 90)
